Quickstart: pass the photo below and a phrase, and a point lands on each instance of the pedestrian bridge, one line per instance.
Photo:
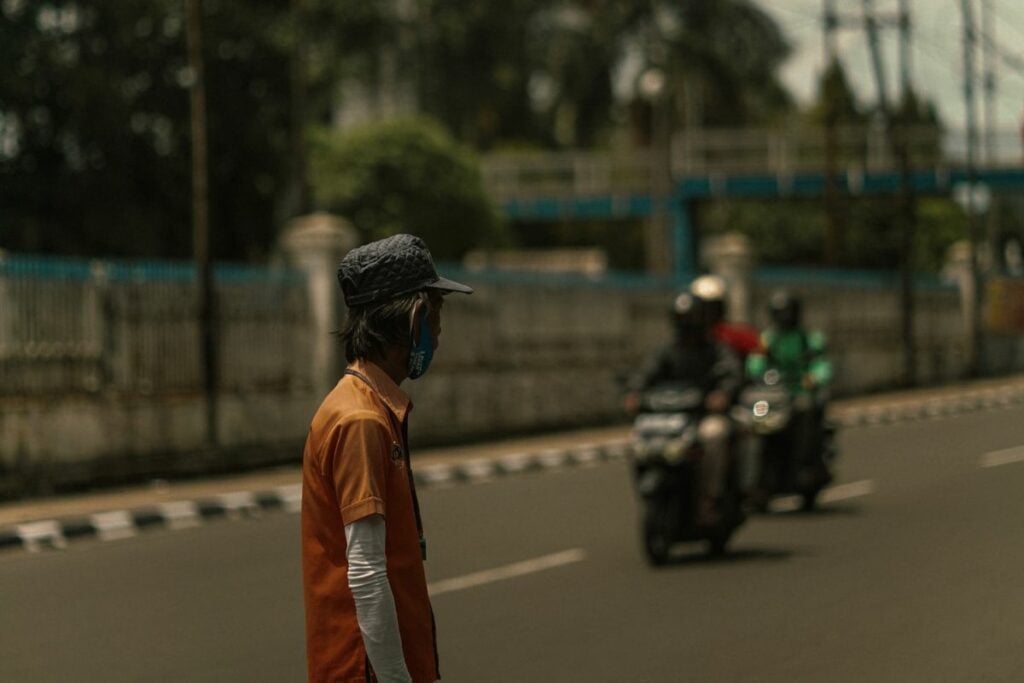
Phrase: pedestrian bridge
(778, 163)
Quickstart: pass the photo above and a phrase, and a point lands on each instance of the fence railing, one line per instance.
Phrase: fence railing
(777, 151)
(77, 326)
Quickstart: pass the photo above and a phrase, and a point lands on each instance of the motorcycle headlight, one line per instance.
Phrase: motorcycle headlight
(760, 408)
(674, 450)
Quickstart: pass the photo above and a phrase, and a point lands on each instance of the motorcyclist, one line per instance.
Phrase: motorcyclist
(806, 372)
(695, 358)
(743, 339)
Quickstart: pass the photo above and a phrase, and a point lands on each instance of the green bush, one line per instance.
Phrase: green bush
(405, 175)
(793, 233)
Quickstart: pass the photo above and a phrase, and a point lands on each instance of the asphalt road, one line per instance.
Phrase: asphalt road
(914, 571)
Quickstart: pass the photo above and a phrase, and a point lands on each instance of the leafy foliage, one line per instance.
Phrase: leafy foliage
(792, 233)
(406, 176)
(96, 94)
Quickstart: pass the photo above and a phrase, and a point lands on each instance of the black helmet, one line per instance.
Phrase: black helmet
(712, 289)
(689, 312)
(786, 310)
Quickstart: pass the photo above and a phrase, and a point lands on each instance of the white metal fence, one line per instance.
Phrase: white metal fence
(74, 326)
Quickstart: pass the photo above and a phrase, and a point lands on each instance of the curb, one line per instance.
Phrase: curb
(112, 525)
(487, 469)
(914, 410)
(117, 524)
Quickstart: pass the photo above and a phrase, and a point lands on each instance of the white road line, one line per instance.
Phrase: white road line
(785, 504)
(509, 571)
(1003, 457)
(850, 490)
(829, 495)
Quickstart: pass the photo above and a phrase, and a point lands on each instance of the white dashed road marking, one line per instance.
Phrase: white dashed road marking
(829, 495)
(509, 571)
(1003, 457)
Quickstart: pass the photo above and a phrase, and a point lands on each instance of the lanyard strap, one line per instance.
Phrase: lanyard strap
(404, 431)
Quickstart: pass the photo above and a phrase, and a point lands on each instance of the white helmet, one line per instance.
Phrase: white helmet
(712, 289)
(709, 287)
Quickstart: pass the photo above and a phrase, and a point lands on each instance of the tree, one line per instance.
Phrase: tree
(836, 103)
(724, 57)
(94, 111)
(474, 68)
(406, 176)
(93, 101)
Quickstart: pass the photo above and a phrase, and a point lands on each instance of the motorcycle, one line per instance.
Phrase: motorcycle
(666, 457)
(766, 410)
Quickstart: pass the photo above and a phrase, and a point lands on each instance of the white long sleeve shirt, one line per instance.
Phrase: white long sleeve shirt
(375, 605)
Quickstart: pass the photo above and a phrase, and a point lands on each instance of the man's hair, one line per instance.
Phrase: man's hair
(370, 330)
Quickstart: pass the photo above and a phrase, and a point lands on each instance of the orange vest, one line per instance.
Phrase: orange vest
(356, 464)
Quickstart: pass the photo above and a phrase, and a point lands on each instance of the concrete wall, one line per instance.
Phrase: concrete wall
(519, 355)
(863, 324)
(60, 442)
(525, 357)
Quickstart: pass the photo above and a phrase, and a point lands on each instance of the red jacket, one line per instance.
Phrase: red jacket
(741, 338)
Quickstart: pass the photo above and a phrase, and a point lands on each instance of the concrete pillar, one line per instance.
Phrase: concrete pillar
(731, 257)
(316, 244)
(957, 269)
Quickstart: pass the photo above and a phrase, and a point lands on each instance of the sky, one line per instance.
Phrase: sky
(936, 56)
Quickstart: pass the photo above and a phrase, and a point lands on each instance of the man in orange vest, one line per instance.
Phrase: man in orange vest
(368, 614)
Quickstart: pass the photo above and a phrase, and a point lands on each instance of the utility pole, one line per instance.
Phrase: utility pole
(201, 218)
(988, 61)
(657, 84)
(897, 135)
(298, 197)
(969, 40)
(906, 82)
(833, 211)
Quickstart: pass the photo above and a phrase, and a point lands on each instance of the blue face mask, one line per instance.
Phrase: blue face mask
(422, 351)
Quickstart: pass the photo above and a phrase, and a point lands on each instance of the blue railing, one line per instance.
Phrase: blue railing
(608, 280)
(123, 270)
(852, 278)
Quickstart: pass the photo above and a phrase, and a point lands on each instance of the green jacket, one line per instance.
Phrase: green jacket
(795, 354)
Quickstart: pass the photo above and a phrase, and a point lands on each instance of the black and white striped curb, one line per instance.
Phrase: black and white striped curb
(117, 524)
(912, 410)
(486, 469)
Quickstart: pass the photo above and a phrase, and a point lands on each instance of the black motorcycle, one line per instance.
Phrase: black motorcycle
(666, 457)
(766, 410)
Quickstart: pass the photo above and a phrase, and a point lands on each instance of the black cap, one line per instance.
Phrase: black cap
(390, 268)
